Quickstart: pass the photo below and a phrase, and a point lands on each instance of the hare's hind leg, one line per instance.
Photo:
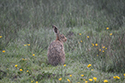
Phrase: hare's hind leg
(54, 60)
(62, 61)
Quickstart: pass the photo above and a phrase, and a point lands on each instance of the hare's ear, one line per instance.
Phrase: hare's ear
(55, 29)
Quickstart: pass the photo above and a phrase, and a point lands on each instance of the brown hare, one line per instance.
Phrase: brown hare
(56, 54)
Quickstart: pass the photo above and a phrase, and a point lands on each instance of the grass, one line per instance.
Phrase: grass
(25, 33)
(29, 53)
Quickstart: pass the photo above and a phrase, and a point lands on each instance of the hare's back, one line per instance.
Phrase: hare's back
(56, 46)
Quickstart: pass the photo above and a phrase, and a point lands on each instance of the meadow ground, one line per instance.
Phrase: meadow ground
(88, 58)
(95, 47)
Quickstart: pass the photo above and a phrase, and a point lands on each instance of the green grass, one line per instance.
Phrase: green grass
(78, 56)
(24, 22)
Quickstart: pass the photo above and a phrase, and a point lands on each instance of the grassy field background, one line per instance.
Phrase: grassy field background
(94, 50)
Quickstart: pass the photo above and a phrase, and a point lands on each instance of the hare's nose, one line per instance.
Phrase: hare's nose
(66, 39)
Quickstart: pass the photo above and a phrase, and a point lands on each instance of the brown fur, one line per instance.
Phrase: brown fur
(56, 54)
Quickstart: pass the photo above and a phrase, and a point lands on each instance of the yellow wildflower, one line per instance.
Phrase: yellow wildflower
(33, 54)
(90, 79)
(27, 71)
(106, 48)
(31, 81)
(103, 51)
(107, 28)
(89, 65)
(36, 81)
(114, 77)
(21, 70)
(92, 69)
(3, 51)
(97, 55)
(86, 81)
(68, 80)
(82, 75)
(96, 44)
(99, 49)
(105, 81)
(24, 44)
(60, 79)
(94, 78)
(0, 36)
(16, 65)
(103, 47)
(70, 75)
(110, 33)
(81, 40)
(117, 77)
(92, 44)
(79, 33)
(28, 44)
(23, 59)
(124, 74)
(64, 65)
(87, 36)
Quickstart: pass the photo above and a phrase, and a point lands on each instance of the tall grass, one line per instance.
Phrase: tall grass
(89, 42)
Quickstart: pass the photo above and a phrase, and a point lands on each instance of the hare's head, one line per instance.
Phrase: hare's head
(62, 38)
(59, 37)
